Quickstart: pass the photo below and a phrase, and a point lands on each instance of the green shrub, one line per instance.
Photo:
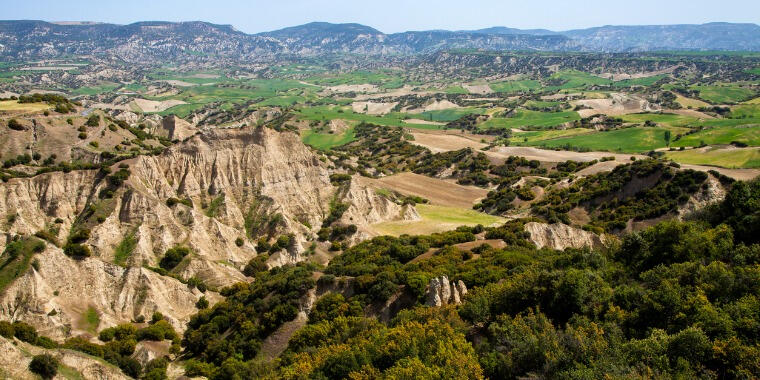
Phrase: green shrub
(44, 365)
(25, 332)
(173, 257)
(15, 125)
(77, 251)
(7, 330)
(93, 120)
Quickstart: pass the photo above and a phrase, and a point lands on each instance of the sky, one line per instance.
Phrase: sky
(391, 16)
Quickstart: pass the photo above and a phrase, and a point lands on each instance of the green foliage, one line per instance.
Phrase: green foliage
(173, 257)
(15, 125)
(17, 258)
(644, 189)
(174, 201)
(215, 206)
(236, 326)
(93, 120)
(125, 248)
(44, 365)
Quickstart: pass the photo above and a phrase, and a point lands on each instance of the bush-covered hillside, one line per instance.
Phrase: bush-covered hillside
(679, 299)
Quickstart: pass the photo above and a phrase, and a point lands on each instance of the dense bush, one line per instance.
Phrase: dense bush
(173, 257)
(44, 365)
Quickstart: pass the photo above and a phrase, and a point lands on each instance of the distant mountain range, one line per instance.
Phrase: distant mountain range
(146, 41)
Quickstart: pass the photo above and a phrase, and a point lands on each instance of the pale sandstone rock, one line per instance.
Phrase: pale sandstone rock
(560, 236)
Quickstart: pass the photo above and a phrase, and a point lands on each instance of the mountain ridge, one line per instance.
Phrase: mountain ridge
(162, 40)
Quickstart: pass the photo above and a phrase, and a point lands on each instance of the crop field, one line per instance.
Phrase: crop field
(15, 106)
(531, 137)
(727, 158)
(573, 79)
(448, 114)
(514, 86)
(747, 134)
(437, 219)
(665, 119)
(628, 140)
(394, 119)
(523, 118)
(647, 81)
(326, 141)
(689, 102)
(102, 88)
(384, 79)
(724, 94)
(455, 90)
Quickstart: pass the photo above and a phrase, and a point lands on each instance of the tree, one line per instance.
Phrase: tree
(44, 365)
(15, 125)
(93, 120)
(667, 137)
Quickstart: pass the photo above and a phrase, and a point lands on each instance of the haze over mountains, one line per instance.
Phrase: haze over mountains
(162, 40)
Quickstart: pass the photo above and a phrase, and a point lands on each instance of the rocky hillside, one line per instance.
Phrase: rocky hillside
(224, 197)
(148, 41)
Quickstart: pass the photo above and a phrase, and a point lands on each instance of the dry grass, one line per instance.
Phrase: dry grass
(15, 106)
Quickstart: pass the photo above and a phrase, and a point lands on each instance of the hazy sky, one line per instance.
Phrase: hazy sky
(391, 16)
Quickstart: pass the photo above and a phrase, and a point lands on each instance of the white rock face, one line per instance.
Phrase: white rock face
(560, 236)
(15, 357)
(71, 287)
(250, 166)
(175, 128)
(442, 292)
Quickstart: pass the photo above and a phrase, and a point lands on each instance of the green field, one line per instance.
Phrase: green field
(576, 80)
(727, 158)
(531, 137)
(749, 135)
(94, 90)
(648, 81)
(513, 86)
(15, 106)
(325, 113)
(724, 93)
(437, 219)
(326, 141)
(628, 140)
(667, 119)
(523, 118)
(386, 79)
(448, 114)
(455, 90)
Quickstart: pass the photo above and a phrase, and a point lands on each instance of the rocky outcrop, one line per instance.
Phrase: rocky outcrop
(15, 357)
(231, 176)
(713, 193)
(561, 236)
(441, 292)
(175, 128)
(56, 296)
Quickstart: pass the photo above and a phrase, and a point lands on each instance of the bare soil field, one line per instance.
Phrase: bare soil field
(439, 141)
(438, 191)
(692, 113)
(372, 108)
(478, 88)
(353, 88)
(624, 76)
(620, 104)
(179, 83)
(156, 106)
(424, 122)
(435, 106)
